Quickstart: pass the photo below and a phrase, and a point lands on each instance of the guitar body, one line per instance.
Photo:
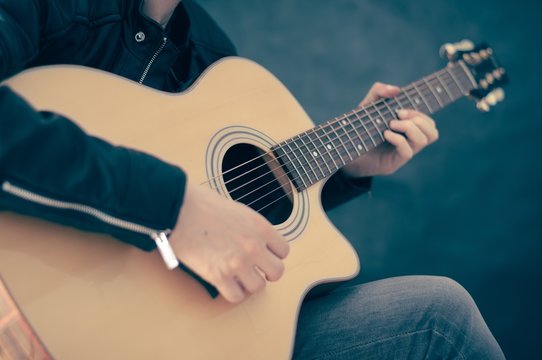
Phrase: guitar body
(90, 296)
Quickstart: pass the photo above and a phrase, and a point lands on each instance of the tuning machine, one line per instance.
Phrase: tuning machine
(452, 51)
(490, 99)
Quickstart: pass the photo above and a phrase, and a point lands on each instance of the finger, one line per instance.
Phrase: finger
(380, 90)
(251, 280)
(424, 122)
(406, 114)
(272, 267)
(278, 246)
(231, 290)
(412, 132)
(401, 144)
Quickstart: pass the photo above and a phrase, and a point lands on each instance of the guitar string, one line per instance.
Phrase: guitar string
(280, 187)
(378, 102)
(291, 192)
(375, 107)
(382, 110)
(286, 194)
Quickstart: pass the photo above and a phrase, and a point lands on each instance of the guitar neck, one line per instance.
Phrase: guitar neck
(317, 153)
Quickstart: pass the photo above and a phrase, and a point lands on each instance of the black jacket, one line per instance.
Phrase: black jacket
(47, 160)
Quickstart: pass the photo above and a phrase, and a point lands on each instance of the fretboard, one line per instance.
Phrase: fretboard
(317, 153)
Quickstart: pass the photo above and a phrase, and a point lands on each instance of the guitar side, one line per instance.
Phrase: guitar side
(79, 288)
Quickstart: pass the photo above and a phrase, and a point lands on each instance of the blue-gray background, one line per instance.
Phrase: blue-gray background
(469, 206)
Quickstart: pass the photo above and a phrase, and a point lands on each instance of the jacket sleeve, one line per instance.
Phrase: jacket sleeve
(50, 157)
(341, 188)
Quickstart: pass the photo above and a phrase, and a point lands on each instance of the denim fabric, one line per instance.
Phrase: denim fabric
(411, 317)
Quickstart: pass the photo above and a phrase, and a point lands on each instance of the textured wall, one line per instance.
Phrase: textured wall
(469, 206)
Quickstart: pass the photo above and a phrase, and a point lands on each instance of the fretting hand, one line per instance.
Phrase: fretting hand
(412, 132)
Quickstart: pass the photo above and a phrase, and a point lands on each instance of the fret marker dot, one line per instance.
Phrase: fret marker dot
(329, 146)
(345, 122)
(360, 147)
(439, 89)
(378, 121)
(314, 153)
(417, 101)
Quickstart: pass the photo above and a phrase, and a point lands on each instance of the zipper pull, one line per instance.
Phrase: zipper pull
(165, 249)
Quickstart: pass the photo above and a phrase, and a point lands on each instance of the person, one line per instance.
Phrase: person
(166, 44)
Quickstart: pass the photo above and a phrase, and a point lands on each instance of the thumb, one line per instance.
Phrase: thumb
(378, 91)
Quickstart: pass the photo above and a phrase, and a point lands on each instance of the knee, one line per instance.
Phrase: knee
(447, 302)
(448, 293)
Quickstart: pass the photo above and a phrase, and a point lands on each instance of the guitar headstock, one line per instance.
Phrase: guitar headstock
(484, 68)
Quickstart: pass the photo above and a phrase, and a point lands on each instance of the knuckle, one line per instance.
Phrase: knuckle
(252, 248)
(234, 266)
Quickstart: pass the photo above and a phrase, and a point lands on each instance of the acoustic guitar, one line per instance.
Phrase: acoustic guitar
(239, 131)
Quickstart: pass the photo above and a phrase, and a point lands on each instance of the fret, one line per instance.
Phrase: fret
(302, 152)
(365, 127)
(328, 146)
(456, 81)
(402, 98)
(440, 93)
(345, 122)
(340, 138)
(412, 103)
(465, 73)
(391, 113)
(361, 146)
(386, 114)
(454, 88)
(464, 77)
(397, 103)
(323, 150)
(335, 140)
(443, 84)
(375, 123)
(295, 167)
(315, 153)
(361, 137)
(440, 105)
(423, 98)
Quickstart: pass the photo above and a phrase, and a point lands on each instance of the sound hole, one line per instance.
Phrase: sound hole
(257, 181)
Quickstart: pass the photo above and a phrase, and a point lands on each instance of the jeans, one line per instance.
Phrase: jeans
(410, 317)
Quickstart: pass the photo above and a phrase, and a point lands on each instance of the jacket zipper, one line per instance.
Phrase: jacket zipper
(153, 58)
(24, 194)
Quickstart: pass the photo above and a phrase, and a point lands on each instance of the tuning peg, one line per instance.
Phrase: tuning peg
(482, 105)
(495, 96)
(449, 50)
(490, 99)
